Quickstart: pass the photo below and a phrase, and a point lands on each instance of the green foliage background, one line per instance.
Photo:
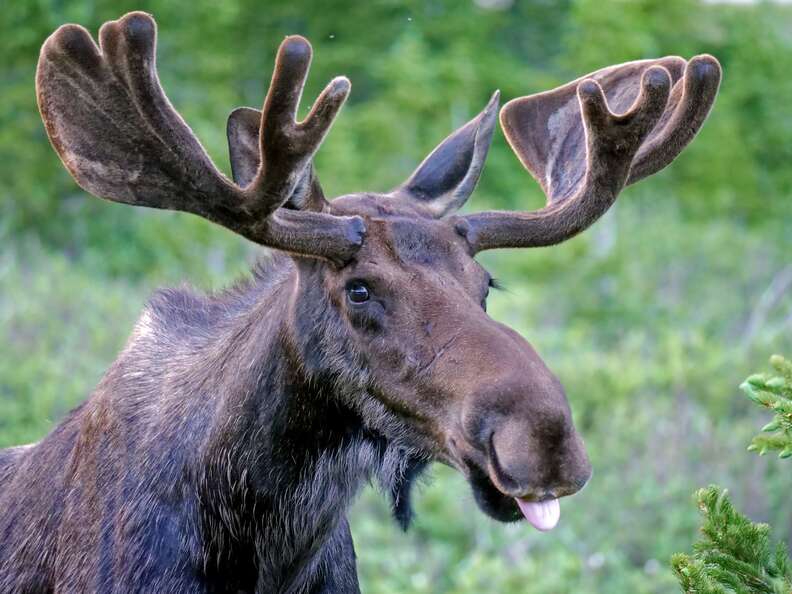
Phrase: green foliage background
(650, 319)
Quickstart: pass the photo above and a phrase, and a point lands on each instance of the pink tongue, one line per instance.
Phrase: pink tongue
(542, 515)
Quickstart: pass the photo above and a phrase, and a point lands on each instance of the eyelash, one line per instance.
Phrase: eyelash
(494, 283)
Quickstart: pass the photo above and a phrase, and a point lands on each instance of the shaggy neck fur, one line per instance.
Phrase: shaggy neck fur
(217, 454)
(283, 455)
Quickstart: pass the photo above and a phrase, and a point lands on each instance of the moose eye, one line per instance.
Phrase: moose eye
(357, 292)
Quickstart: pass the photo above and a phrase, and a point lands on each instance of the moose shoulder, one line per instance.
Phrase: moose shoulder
(221, 450)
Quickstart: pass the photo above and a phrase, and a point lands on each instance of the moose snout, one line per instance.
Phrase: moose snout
(537, 457)
(529, 447)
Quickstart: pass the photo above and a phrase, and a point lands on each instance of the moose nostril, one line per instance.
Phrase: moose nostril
(503, 479)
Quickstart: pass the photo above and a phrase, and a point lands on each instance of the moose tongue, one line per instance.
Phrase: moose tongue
(543, 515)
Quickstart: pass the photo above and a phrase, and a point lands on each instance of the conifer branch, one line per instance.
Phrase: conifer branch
(775, 393)
(734, 555)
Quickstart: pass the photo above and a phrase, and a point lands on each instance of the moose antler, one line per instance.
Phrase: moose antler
(118, 135)
(583, 154)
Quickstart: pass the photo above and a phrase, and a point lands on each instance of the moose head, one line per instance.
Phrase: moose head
(384, 302)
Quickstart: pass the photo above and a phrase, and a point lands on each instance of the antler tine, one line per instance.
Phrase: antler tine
(689, 105)
(611, 143)
(583, 154)
(286, 147)
(118, 135)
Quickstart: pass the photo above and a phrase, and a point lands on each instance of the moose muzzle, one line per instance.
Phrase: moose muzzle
(517, 441)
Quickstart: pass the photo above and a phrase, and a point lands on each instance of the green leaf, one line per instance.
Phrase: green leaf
(773, 425)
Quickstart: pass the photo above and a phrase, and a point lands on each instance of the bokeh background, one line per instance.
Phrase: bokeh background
(651, 318)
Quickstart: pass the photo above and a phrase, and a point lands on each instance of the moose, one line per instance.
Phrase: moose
(221, 450)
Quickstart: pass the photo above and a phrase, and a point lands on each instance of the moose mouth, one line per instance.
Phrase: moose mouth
(542, 515)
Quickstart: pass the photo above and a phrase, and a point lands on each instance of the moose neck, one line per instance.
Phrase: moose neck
(285, 454)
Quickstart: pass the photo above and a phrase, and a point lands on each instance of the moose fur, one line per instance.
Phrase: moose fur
(212, 441)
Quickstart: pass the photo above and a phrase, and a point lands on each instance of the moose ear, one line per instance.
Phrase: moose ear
(447, 177)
